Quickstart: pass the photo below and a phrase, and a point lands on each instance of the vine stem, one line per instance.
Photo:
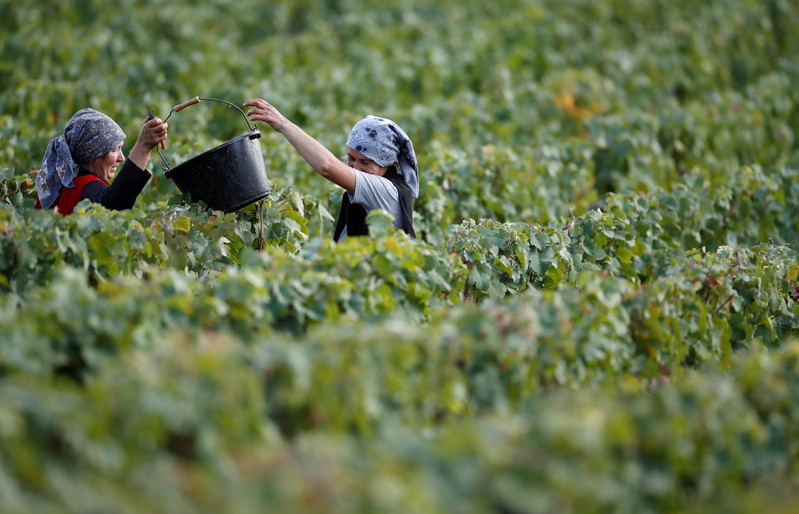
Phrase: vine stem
(261, 224)
(716, 310)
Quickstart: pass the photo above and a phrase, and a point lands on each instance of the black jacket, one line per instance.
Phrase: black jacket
(122, 192)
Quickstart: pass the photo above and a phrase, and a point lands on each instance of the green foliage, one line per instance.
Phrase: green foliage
(599, 314)
(632, 236)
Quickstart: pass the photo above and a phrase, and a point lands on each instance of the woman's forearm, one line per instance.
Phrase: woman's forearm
(139, 155)
(320, 158)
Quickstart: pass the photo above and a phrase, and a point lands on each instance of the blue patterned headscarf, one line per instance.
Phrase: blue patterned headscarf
(384, 142)
(88, 135)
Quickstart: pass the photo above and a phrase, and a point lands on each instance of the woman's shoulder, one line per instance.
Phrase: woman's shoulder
(375, 181)
(374, 190)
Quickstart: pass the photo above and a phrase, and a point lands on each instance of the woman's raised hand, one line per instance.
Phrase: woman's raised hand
(261, 110)
(153, 133)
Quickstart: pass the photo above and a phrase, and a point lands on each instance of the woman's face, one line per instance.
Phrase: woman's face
(106, 165)
(362, 163)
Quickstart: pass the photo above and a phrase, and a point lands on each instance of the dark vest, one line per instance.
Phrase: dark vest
(353, 215)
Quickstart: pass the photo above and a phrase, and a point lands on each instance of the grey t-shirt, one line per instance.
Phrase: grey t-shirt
(375, 192)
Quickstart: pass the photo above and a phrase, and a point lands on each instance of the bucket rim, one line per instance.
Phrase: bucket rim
(251, 135)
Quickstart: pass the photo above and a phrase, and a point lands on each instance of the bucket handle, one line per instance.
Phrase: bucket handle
(179, 107)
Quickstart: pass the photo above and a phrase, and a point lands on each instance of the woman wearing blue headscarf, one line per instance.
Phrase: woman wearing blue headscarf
(80, 163)
(381, 170)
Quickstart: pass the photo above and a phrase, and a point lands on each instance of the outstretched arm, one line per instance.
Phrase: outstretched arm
(320, 158)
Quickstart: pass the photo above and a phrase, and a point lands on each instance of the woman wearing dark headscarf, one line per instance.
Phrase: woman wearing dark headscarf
(80, 163)
(381, 170)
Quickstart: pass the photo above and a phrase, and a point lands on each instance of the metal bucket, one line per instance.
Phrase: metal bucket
(228, 177)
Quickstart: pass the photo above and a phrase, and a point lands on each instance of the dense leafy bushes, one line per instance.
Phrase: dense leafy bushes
(599, 315)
